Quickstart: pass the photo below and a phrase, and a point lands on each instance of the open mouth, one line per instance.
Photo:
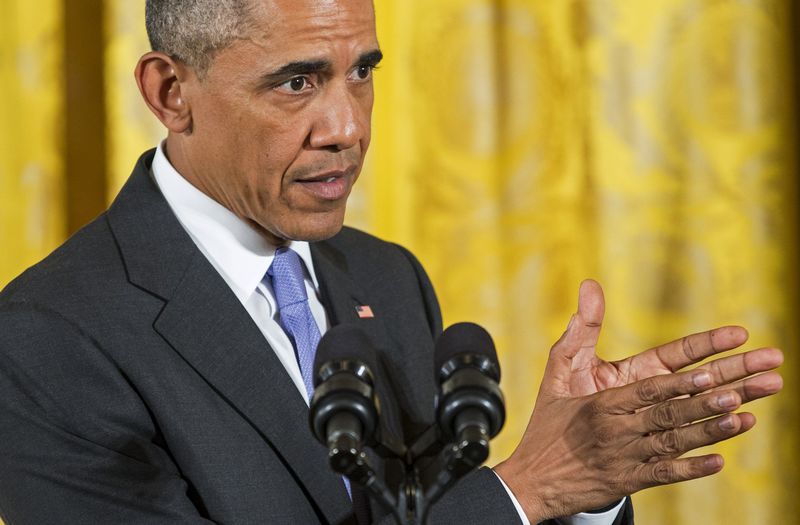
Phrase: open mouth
(332, 185)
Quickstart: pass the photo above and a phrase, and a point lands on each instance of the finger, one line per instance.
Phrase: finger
(677, 441)
(675, 470)
(678, 412)
(735, 367)
(754, 387)
(746, 420)
(653, 390)
(691, 349)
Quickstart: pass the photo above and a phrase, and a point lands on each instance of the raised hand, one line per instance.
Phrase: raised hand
(601, 430)
(587, 373)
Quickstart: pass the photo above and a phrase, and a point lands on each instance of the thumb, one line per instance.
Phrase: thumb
(582, 333)
(591, 309)
(584, 327)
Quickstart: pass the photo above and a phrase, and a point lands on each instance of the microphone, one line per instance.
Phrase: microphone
(470, 406)
(344, 411)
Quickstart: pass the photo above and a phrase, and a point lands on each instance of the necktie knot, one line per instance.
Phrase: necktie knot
(288, 281)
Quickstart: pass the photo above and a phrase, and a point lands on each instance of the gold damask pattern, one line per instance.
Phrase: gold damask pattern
(521, 146)
(32, 220)
(131, 127)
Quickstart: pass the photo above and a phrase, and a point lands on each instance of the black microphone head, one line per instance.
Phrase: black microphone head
(344, 342)
(465, 340)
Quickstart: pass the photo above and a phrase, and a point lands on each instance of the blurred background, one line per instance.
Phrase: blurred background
(519, 147)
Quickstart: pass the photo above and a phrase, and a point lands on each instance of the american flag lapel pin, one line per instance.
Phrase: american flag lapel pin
(364, 311)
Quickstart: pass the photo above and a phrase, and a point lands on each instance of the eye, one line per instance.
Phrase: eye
(362, 72)
(295, 85)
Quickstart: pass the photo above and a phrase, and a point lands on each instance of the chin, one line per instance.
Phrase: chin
(317, 234)
(313, 228)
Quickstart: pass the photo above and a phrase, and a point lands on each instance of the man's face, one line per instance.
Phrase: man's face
(281, 121)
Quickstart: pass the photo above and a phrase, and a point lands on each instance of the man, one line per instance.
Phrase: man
(150, 370)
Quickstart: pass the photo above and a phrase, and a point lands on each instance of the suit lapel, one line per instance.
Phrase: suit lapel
(205, 323)
(339, 292)
(342, 295)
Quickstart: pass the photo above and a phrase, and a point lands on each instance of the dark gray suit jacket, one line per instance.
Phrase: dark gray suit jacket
(135, 388)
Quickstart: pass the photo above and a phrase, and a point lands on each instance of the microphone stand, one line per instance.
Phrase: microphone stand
(431, 466)
(344, 414)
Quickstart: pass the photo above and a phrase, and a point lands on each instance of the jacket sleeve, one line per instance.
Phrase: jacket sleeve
(76, 441)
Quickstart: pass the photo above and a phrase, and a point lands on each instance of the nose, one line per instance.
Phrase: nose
(343, 119)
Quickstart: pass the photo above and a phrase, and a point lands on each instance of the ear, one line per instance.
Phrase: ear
(161, 81)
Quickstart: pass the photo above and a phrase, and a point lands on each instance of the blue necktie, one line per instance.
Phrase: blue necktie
(296, 319)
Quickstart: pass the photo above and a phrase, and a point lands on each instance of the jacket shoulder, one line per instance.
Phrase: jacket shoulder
(72, 271)
(359, 246)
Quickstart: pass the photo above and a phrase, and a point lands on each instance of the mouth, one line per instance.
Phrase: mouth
(330, 185)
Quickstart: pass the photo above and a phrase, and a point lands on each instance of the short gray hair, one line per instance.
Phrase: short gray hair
(192, 31)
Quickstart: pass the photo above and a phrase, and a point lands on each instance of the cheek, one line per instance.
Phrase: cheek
(273, 148)
(267, 152)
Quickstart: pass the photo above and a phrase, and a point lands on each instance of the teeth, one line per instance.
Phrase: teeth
(330, 179)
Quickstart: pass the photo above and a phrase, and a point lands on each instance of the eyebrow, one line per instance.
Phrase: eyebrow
(301, 67)
(371, 58)
(308, 67)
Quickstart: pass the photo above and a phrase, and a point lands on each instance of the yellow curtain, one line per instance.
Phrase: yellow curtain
(132, 129)
(32, 215)
(519, 147)
(523, 145)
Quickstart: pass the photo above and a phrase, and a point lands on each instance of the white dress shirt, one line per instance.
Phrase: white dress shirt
(242, 256)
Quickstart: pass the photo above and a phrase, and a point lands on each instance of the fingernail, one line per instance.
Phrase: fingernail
(702, 379)
(727, 400)
(714, 462)
(726, 423)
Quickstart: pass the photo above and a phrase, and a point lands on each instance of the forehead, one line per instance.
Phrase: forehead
(291, 26)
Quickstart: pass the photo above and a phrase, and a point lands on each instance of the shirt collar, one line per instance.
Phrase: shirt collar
(237, 251)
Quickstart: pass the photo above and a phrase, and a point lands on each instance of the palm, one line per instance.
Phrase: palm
(580, 372)
(591, 374)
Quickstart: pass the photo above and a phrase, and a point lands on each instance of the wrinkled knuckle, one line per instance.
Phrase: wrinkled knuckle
(717, 373)
(667, 443)
(688, 348)
(648, 391)
(664, 416)
(709, 405)
(663, 473)
(640, 478)
(619, 486)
